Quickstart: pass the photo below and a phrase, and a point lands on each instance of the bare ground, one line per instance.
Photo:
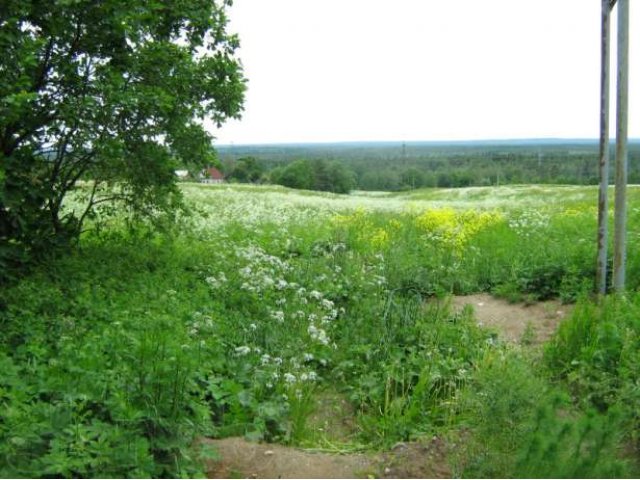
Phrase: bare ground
(516, 322)
(243, 459)
(334, 418)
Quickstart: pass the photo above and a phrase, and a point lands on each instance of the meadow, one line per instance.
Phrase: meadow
(256, 301)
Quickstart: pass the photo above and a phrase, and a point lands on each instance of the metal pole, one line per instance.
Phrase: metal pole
(622, 114)
(603, 198)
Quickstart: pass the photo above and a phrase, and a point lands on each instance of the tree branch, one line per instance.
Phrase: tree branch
(89, 207)
(43, 68)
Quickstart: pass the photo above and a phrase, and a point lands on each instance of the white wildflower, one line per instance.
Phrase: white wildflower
(318, 334)
(315, 294)
(243, 350)
(327, 304)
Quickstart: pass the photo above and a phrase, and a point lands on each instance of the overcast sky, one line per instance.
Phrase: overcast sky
(361, 70)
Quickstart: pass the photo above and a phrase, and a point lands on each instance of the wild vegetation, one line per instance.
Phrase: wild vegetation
(119, 355)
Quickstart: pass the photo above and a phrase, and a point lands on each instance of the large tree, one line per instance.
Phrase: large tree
(112, 93)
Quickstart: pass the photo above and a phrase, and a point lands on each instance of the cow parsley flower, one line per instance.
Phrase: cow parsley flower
(315, 294)
(318, 334)
(327, 304)
(243, 350)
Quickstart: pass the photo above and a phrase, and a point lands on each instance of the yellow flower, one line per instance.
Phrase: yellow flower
(395, 225)
(379, 238)
(455, 229)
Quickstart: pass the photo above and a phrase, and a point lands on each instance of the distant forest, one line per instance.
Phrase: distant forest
(397, 166)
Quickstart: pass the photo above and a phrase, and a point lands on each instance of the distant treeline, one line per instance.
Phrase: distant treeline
(403, 166)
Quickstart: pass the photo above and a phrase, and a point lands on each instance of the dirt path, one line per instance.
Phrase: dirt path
(518, 323)
(243, 459)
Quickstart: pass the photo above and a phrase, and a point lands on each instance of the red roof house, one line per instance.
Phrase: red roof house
(212, 175)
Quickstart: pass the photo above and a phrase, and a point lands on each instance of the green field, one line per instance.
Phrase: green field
(259, 300)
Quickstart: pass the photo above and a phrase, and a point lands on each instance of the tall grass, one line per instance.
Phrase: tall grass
(522, 426)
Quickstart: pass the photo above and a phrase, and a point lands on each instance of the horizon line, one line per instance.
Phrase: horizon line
(439, 142)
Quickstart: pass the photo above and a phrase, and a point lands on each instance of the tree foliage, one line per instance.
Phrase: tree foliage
(316, 175)
(110, 93)
(246, 170)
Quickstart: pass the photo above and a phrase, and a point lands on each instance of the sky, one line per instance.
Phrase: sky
(423, 70)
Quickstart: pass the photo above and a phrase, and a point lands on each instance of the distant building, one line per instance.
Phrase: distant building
(182, 174)
(211, 175)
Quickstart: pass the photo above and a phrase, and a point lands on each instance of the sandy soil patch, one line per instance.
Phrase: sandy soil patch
(515, 322)
(243, 459)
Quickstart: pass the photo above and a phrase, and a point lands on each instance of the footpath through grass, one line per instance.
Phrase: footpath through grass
(118, 356)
